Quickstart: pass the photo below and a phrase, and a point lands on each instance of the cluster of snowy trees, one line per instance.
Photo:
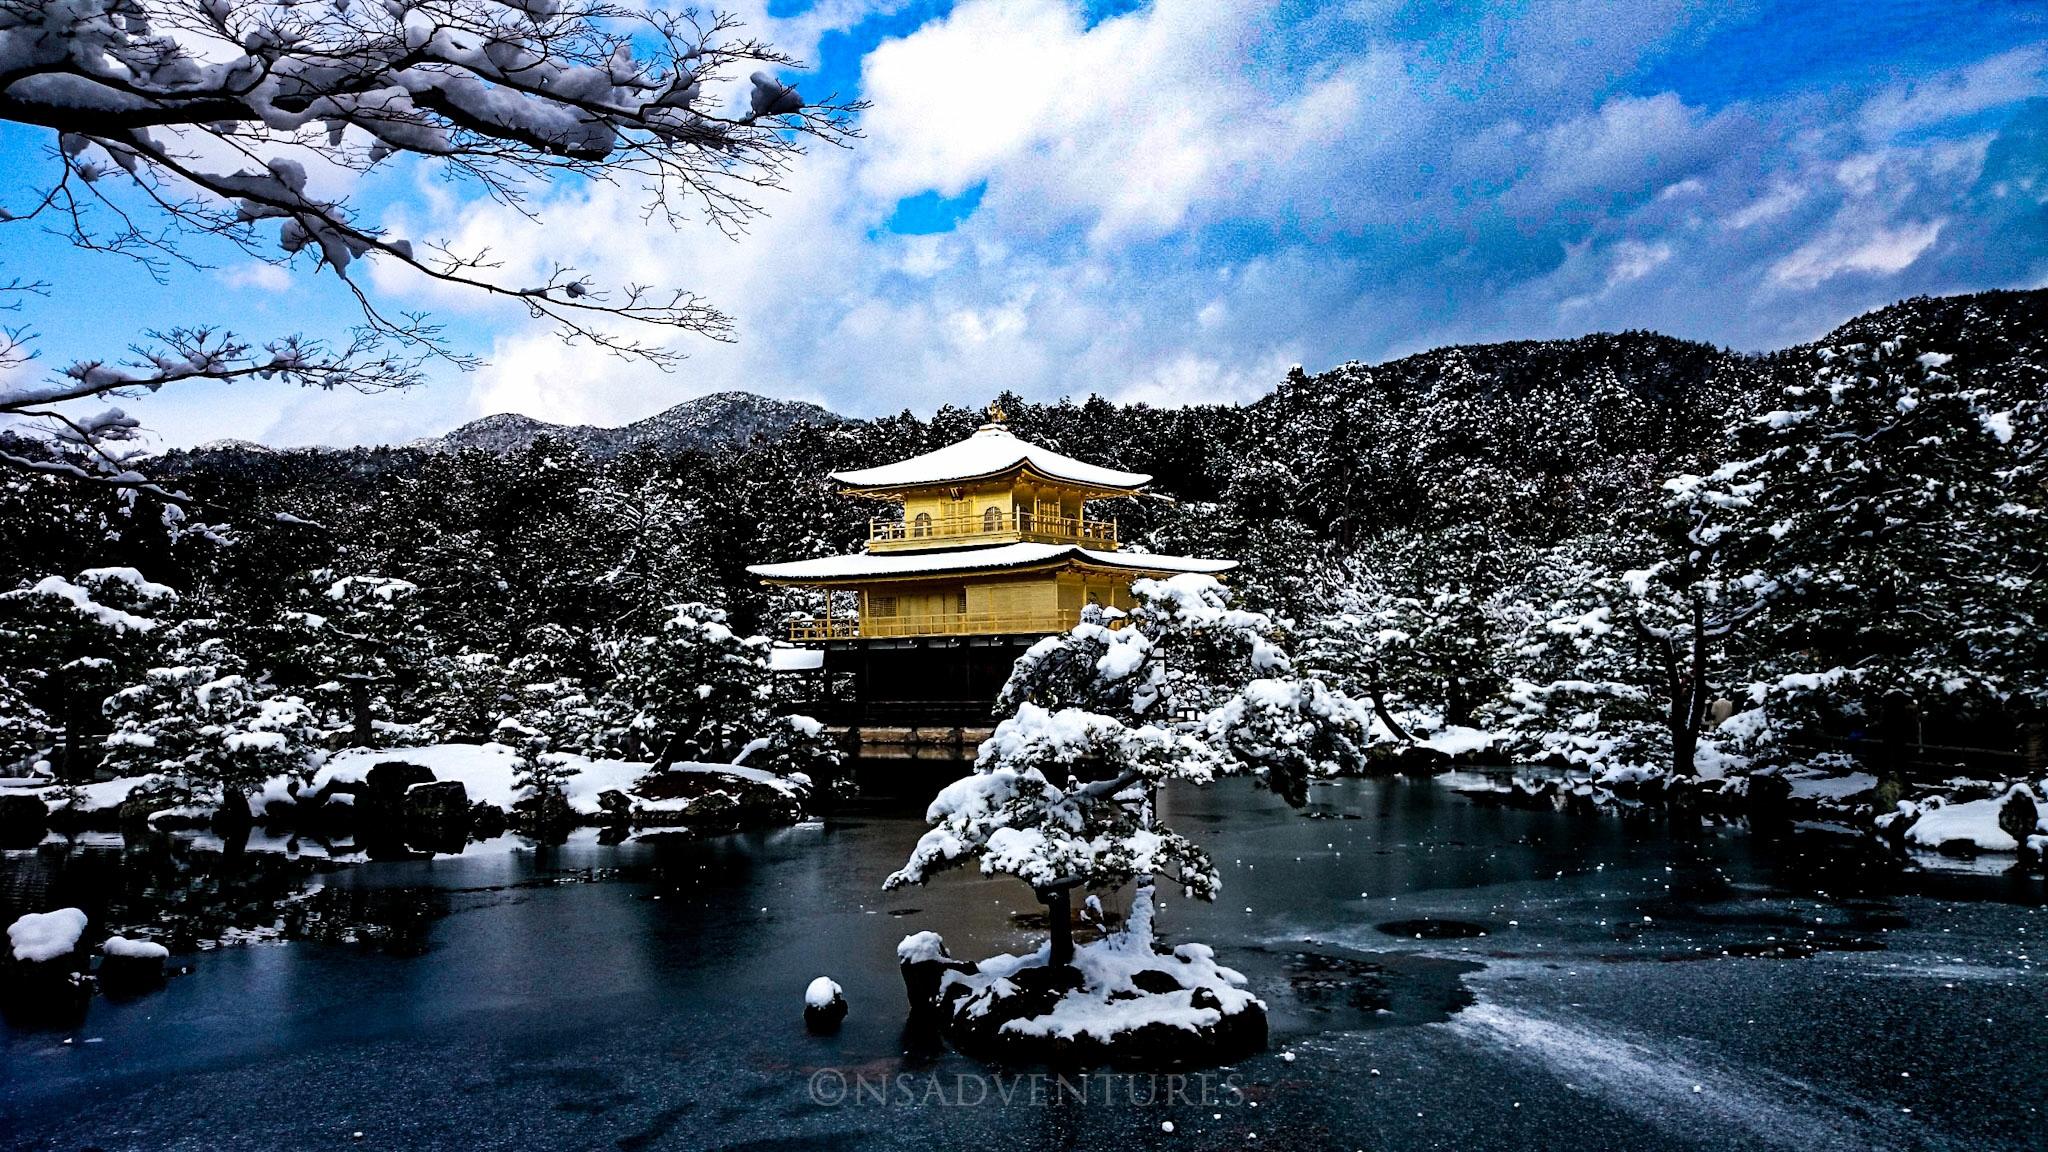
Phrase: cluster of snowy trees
(1855, 567)
(1593, 548)
(108, 672)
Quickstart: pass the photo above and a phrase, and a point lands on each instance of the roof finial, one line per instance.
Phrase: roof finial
(996, 414)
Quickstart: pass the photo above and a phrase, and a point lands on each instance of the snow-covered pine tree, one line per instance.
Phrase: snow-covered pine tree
(71, 642)
(692, 690)
(202, 720)
(1878, 500)
(1624, 638)
(356, 635)
(1185, 687)
(466, 696)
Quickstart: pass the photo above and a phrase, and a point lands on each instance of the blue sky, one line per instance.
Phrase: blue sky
(1173, 202)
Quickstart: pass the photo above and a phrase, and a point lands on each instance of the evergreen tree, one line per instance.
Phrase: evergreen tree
(202, 721)
(1186, 687)
(71, 642)
(1878, 502)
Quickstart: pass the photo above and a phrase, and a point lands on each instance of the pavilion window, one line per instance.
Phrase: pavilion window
(922, 526)
(992, 520)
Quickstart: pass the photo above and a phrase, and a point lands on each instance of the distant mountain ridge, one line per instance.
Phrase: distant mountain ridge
(698, 425)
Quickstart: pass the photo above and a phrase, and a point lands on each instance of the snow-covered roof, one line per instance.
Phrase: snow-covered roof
(795, 659)
(873, 566)
(991, 451)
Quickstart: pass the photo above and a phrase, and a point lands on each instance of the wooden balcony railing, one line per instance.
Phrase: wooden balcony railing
(1027, 525)
(940, 624)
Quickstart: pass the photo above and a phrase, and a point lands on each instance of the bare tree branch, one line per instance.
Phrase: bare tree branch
(181, 118)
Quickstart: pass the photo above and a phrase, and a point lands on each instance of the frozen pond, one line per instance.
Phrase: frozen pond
(1442, 975)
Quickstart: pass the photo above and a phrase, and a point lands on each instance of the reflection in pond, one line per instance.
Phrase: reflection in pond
(194, 893)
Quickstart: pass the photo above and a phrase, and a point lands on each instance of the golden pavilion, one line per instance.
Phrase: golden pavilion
(993, 547)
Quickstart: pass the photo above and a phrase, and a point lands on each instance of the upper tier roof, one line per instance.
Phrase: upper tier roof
(991, 451)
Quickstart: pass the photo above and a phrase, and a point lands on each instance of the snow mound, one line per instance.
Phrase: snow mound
(486, 771)
(920, 947)
(127, 949)
(1457, 740)
(43, 936)
(821, 993)
(1975, 821)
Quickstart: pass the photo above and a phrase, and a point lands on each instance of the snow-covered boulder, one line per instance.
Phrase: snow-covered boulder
(1965, 828)
(824, 1005)
(46, 937)
(2019, 816)
(131, 965)
(925, 962)
(42, 982)
(714, 797)
(23, 818)
(1122, 1000)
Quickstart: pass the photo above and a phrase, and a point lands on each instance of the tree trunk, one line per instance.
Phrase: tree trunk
(69, 767)
(2034, 742)
(1895, 719)
(1457, 709)
(1379, 708)
(1059, 915)
(359, 701)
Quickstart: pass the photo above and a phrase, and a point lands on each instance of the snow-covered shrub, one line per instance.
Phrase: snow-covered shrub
(1185, 687)
(794, 745)
(694, 690)
(221, 734)
(467, 695)
(66, 643)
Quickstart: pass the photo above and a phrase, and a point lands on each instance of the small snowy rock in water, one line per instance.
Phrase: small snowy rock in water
(128, 949)
(1166, 1125)
(1287, 1056)
(41, 937)
(824, 1005)
(131, 965)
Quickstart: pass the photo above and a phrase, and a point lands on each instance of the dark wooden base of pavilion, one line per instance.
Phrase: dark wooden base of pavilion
(915, 681)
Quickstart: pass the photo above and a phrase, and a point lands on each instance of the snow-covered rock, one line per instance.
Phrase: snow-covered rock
(1973, 822)
(126, 949)
(40, 937)
(131, 966)
(1121, 1000)
(824, 1004)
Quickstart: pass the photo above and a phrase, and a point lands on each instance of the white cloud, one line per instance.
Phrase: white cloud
(257, 274)
(1182, 201)
(1633, 260)
(1987, 84)
(1881, 250)
(1782, 198)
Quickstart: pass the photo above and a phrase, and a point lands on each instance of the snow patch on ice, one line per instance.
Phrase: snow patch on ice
(1975, 821)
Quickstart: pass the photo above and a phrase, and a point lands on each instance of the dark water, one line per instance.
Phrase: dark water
(1443, 975)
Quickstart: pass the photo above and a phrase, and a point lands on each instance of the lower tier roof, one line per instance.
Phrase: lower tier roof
(964, 561)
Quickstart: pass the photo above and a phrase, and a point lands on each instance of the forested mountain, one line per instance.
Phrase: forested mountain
(1451, 506)
(698, 425)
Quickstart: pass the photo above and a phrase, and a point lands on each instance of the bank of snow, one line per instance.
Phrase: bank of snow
(487, 772)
